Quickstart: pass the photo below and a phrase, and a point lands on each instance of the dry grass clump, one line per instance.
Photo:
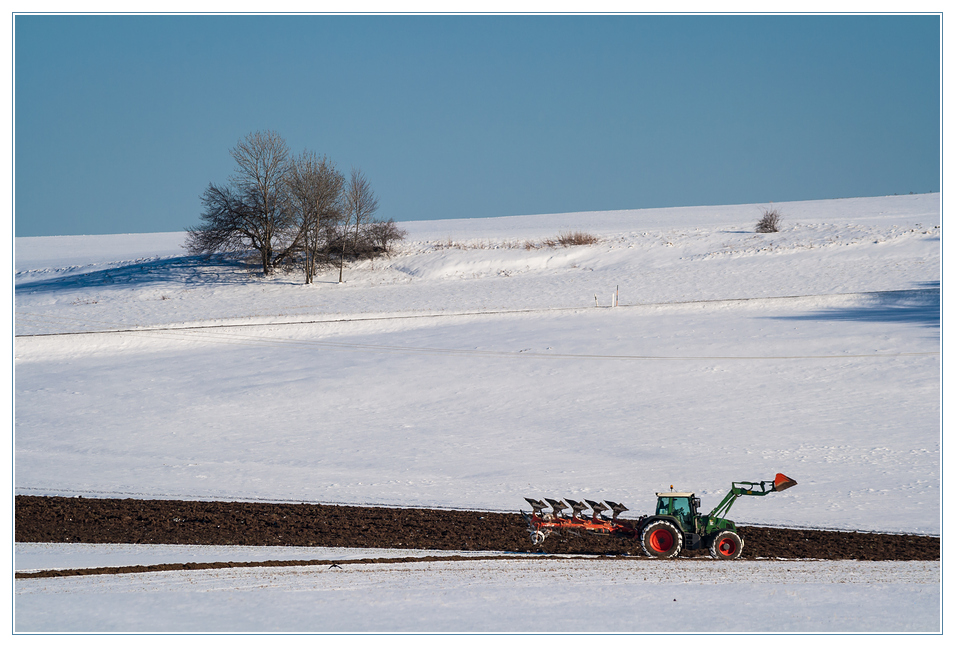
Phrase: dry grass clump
(569, 238)
(564, 239)
(769, 223)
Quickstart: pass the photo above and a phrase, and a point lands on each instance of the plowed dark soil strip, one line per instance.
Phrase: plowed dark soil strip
(330, 563)
(136, 521)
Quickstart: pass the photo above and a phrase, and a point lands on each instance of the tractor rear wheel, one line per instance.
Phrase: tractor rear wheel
(660, 539)
(726, 545)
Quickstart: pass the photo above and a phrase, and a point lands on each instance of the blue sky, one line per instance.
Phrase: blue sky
(122, 121)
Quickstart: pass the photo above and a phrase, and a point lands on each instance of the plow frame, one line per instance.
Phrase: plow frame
(542, 525)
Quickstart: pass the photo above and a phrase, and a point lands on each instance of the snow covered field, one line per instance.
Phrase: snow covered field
(466, 371)
(520, 595)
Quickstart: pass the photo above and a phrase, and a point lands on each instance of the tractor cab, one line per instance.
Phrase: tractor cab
(684, 506)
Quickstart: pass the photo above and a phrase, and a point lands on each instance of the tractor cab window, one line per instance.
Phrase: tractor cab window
(677, 506)
(681, 510)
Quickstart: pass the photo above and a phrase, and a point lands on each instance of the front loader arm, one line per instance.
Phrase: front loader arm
(750, 488)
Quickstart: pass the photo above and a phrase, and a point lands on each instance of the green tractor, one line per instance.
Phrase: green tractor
(678, 524)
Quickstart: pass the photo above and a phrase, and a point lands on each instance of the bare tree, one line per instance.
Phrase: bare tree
(290, 210)
(360, 205)
(250, 214)
(315, 190)
(229, 224)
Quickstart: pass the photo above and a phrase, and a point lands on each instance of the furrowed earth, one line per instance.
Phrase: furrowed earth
(135, 521)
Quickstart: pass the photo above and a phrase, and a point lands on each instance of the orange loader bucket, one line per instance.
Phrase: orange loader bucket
(782, 482)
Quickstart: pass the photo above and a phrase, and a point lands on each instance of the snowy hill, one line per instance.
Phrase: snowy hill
(470, 369)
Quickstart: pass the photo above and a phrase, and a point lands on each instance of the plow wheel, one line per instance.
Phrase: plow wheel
(661, 539)
(726, 545)
(537, 538)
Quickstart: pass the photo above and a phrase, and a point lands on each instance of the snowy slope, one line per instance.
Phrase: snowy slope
(520, 595)
(654, 255)
(466, 371)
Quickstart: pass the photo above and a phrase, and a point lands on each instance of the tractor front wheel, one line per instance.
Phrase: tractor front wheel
(661, 539)
(726, 545)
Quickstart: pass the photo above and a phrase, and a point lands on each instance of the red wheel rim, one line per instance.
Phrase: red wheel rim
(661, 540)
(727, 547)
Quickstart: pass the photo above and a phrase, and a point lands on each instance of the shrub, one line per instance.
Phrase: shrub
(382, 234)
(769, 223)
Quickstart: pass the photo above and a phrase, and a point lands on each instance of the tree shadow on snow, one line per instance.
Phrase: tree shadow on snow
(180, 271)
(920, 306)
